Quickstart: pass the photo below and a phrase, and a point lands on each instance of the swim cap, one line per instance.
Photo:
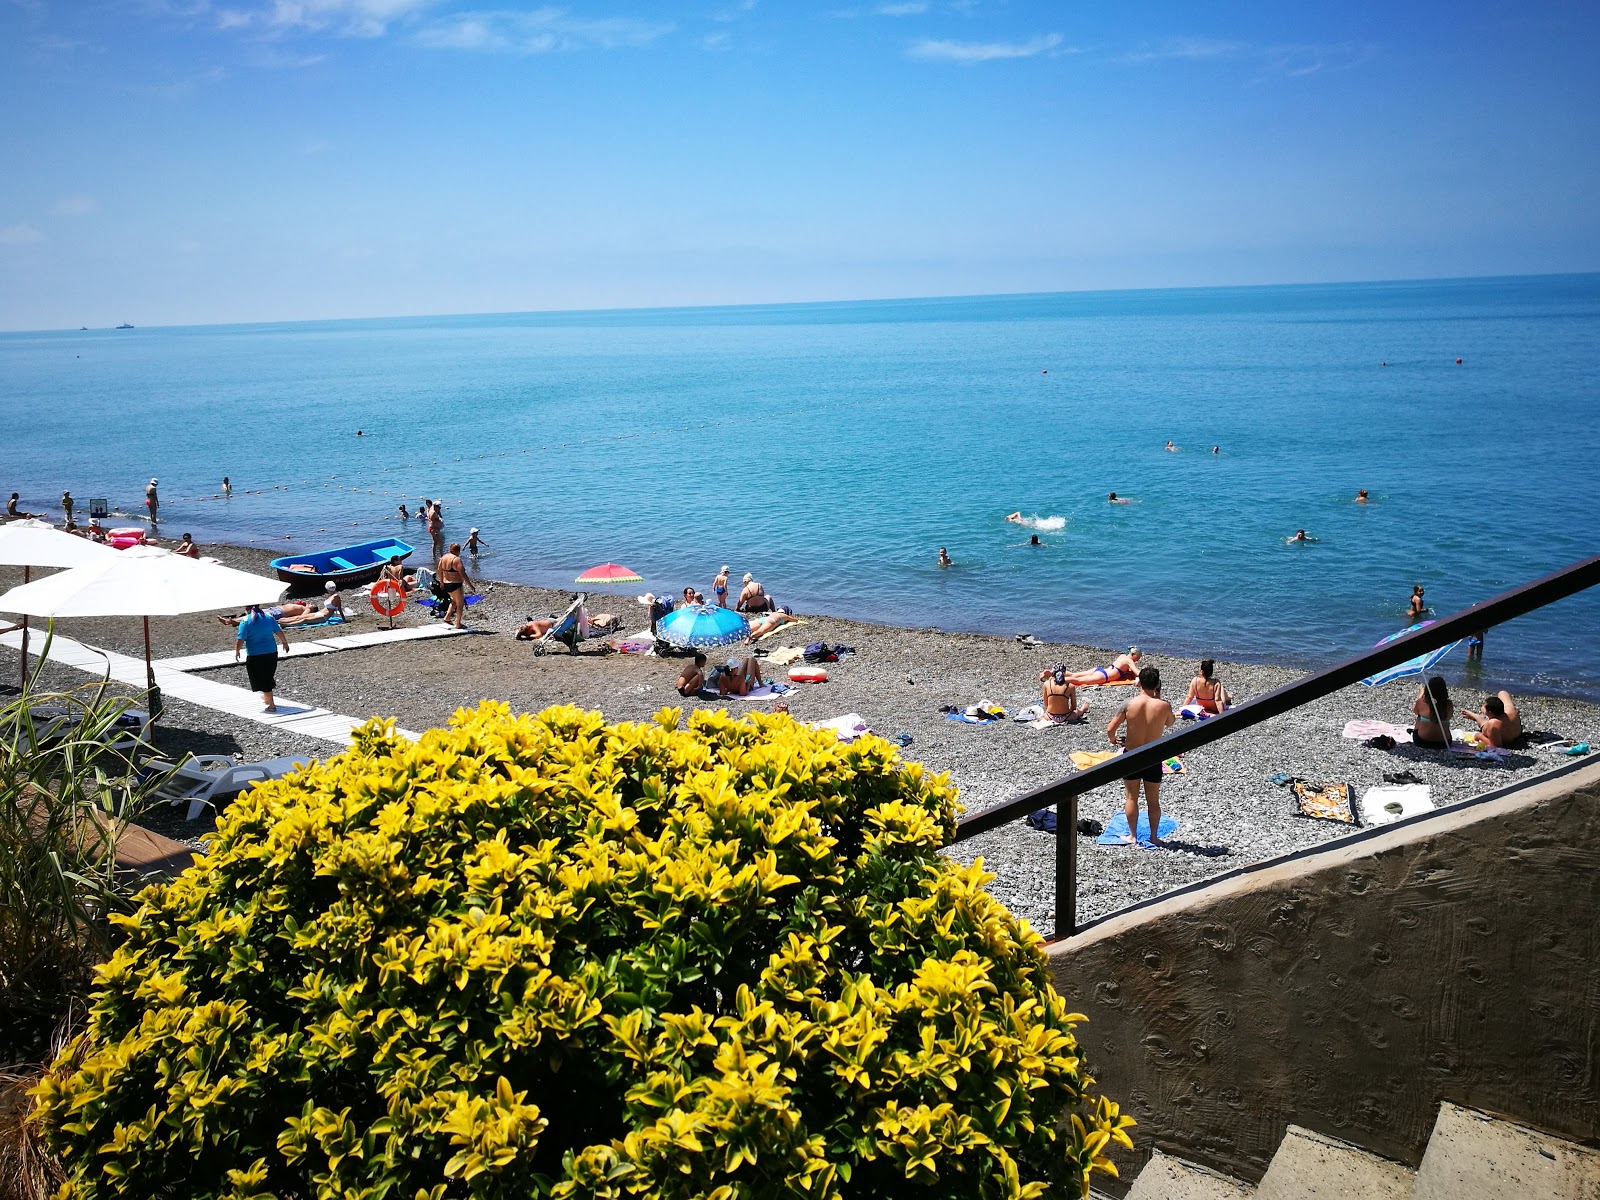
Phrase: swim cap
(330, 586)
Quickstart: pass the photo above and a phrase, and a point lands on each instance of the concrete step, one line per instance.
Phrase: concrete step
(1167, 1178)
(1473, 1156)
(1309, 1166)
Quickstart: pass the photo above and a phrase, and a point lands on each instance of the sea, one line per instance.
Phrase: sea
(831, 449)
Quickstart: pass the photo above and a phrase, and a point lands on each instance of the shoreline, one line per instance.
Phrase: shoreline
(897, 681)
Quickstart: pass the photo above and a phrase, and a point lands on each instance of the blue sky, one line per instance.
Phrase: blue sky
(199, 161)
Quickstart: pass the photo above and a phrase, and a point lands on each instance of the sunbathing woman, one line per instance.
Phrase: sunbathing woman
(764, 625)
(332, 606)
(1206, 690)
(739, 676)
(1060, 697)
(395, 570)
(753, 597)
(1125, 668)
(1433, 710)
(286, 613)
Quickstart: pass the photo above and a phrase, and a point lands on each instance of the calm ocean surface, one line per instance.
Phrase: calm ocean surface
(833, 448)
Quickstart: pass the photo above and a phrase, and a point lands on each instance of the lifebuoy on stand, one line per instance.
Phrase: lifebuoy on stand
(388, 598)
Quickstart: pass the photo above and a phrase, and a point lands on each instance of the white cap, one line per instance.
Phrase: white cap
(153, 482)
(474, 529)
(330, 586)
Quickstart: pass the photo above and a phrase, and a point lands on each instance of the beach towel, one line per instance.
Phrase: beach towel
(767, 691)
(1112, 683)
(635, 643)
(1324, 801)
(987, 719)
(1361, 731)
(1084, 759)
(1174, 766)
(781, 629)
(1117, 829)
(1394, 802)
(331, 619)
(849, 727)
(430, 602)
(1193, 712)
(786, 655)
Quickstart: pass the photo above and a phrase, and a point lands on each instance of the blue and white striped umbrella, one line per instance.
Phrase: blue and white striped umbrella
(1420, 665)
(702, 626)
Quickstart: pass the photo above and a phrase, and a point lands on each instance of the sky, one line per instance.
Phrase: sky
(211, 161)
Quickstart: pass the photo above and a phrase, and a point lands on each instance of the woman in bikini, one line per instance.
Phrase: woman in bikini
(1433, 710)
(1060, 698)
(1125, 667)
(1206, 690)
(1419, 606)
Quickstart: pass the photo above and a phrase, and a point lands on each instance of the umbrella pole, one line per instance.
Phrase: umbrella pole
(27, 574)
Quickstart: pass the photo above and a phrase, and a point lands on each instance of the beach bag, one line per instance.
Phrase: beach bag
(818, 652)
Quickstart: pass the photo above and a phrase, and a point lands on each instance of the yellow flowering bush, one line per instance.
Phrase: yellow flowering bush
(541, 955)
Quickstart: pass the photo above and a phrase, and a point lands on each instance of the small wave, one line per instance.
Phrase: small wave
(1043, 523)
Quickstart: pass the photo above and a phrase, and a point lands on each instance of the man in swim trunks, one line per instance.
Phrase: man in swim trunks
(1125, 667)
(1060, 697)
(1144, 719)
(453, 579)
(1499, 721)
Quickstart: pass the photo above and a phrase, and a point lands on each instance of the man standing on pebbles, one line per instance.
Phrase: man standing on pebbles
(1147, 718)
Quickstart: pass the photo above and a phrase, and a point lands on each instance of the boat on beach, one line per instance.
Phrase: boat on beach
(347, 566)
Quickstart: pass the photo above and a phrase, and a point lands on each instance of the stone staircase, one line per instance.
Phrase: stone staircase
(1470, 1156)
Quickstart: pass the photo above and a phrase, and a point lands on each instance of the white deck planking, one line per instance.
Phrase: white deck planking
(322, 645)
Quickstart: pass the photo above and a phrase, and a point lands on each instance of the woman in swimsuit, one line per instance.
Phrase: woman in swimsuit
(1125, 667)
(1060, 698)
(1418, 605)
(1206, 690)
(1433, 710)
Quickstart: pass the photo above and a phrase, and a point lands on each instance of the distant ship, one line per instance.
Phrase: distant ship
(124, 325)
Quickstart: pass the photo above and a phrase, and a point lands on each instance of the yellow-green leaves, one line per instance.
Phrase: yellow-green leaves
(541, 955)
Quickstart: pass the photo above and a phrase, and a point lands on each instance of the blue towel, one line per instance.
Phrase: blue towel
(333, 620)
(1117, 829)
(956, 716)
(429, 601)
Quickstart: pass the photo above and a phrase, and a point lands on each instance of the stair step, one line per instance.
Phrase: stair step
(1473, 1156)
(1168, 1178)
(1309, 1166)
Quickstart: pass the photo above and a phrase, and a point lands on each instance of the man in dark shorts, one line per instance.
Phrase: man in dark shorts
(1146, 718)
(261, 635)
(453, 578)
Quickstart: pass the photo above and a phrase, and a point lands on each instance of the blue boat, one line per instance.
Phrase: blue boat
(348, 566)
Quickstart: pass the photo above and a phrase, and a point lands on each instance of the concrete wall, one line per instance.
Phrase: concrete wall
(1351, 990)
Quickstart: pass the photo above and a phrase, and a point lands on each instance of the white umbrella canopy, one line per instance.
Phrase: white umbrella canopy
(141, 581)
(33, 543)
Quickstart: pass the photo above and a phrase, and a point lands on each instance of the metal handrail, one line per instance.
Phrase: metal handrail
(1064, 792)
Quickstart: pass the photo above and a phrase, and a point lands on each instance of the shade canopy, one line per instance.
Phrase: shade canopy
(1420, 665)
(141, 581)
(609, 573)
(702, 626)
(35, 543)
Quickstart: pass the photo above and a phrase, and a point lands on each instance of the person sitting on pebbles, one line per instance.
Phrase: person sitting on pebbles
(1060, 697)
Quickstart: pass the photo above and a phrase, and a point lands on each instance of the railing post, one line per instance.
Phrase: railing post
(1066, 866)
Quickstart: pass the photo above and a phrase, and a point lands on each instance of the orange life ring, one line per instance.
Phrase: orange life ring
(387, 597)
(807, 675)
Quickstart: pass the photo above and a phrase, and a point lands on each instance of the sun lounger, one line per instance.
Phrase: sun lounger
(54, 723)
(571, 628)
(203, 779)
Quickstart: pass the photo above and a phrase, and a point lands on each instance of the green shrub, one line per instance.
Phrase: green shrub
(544, 956)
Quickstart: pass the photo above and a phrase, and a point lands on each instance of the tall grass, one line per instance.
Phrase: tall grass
(66, 794)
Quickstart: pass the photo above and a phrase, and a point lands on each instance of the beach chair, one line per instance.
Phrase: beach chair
(54, 723)
(571, 628)
(204, 779)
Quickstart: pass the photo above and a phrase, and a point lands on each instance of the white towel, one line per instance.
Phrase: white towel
(849, 727)
(1395, 802)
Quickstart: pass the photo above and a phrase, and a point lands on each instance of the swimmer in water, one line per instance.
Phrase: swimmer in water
(404, 515)
(944, 558)
(1418, 607)
(1300, 535)
(1171, 447)
(1034, 541)
(1015, 518)
(360, 434)
(1361, 496)
(1216, 449)
(1113, 498)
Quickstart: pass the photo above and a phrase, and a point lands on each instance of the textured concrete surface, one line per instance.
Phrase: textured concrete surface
(1309, 1166)
(1352, 991)
(1166, 1178)
(1473, 1156)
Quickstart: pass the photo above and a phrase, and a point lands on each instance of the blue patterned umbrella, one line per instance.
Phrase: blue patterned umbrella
(1420, 665)
(702, 626)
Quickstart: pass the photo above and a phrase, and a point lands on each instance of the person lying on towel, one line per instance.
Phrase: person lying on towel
(1123, 670)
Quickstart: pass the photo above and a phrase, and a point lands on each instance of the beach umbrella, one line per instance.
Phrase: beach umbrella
(609, 574)
(141, 581)
(702, 626)
(34, 543)
(1420, 665)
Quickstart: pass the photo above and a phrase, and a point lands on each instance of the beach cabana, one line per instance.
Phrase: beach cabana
(142, 581)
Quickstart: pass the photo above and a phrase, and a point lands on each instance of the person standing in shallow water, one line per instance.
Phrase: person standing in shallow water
(944, 557)
(67, 506)
(152, 501)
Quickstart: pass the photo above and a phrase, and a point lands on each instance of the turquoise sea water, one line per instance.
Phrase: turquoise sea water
(833, 448)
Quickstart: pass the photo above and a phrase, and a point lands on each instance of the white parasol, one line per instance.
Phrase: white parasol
(141, 581)
(34, 543)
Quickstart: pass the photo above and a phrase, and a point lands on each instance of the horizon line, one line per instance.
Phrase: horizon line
(762, 304)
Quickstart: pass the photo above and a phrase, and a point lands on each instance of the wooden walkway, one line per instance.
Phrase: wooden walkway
(291, 716)
(324, 645)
